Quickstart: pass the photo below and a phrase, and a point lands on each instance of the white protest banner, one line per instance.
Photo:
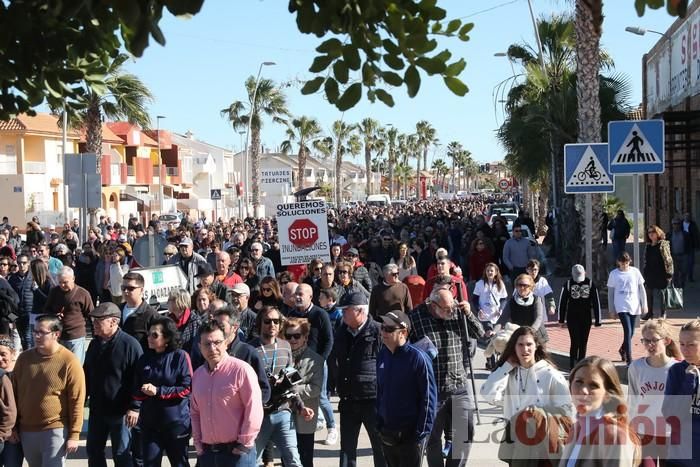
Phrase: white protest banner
(303, 232)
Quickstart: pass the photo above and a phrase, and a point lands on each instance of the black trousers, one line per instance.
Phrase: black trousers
(354, 414)
(578, 335)
(404, 455)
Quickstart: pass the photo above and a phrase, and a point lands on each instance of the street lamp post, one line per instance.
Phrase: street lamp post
(247, 136)
(635, 178)
(161, 193)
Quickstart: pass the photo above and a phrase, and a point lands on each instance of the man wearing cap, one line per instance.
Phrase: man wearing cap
(239, 298)
(189, 262)
(109, 374)
(391, 294)
(356, 345)
(207, 278)
(360, 272)
(438, 323)
(263, 265)
(406, 393)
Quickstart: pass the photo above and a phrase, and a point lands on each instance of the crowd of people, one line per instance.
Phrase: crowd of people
(249, 352)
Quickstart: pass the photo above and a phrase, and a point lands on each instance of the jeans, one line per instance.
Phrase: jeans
(325, 404)
(628, 323)
(77, 346)
(227, 459)
(354, 414)
(278, 427)
(25, 332)
(99, 428)
(12, 455)
(44, 448)
(175, 447)
(618, 248)
(455, 414)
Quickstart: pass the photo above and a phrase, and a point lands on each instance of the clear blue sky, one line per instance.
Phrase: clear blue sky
(207, 58)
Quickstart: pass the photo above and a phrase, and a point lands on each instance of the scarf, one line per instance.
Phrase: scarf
(523, 301)
(183, 319)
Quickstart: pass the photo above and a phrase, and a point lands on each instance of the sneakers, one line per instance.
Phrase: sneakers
(331, 437)
(320, 425)
(446, 449)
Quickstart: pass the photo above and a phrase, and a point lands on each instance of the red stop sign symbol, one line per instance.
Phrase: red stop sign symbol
(303, 233)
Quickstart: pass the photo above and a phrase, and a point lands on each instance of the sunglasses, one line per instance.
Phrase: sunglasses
(269, 321)
(129, 288)
(649, 341)
(522, 284)
(516, 230)
(343, 272)
(154, 335)
(318, 269)
(4, 264)
(296, 336)
(266, 289)
(386, 328)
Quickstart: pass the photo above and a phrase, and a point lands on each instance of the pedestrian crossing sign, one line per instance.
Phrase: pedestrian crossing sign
(636, 146)
(586, 169)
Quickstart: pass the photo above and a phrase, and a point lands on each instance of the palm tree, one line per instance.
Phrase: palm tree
(345, 141)
(404, 172)
(453, 150)
(441, 170)
(270, 102)
(303, 130)
(588, 25)
(426, 137)
(126, 98)
(391, 140)
(369, 129)
(545, 104)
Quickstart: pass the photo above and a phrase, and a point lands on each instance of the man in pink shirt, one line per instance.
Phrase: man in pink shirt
(226, 404)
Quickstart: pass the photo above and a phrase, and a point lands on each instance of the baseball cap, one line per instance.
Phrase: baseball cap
(204, 269)
(186, 241)
(396, 318)
(353, 299)
(578, 273)
(353, 252)
(106, 309)
(241, 289)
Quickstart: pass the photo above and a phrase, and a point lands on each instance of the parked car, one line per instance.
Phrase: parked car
(502, 208)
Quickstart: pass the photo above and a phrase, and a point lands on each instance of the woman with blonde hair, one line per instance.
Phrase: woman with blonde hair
(658, 268)
(601, 436)
(646, 382)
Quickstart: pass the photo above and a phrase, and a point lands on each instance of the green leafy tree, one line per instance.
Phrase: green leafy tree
(270, 102)
(302, 131)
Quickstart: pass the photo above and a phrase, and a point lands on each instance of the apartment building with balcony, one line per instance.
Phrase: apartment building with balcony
(31, 168)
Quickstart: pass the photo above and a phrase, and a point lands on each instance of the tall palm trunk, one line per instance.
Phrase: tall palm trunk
(338, 177)
(255, 169)
(368, 169)
(587, 25)
(301, 159)
(391, 174)
(93, 131)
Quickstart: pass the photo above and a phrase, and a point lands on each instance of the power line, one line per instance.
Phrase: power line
(486, 10)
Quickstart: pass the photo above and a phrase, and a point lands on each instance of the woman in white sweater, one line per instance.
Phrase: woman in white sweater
(525, 378)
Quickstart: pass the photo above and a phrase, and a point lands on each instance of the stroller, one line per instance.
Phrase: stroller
(496, 344)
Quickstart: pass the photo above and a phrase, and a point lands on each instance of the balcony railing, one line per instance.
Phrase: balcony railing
(34, 167)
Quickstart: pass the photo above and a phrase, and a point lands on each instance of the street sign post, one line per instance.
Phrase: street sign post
(636, 147)
(303, 232)
(215, 194)
(84, 186)
(586, 171)
(503, 184)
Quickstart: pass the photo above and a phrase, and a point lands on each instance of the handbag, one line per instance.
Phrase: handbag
(672, 297)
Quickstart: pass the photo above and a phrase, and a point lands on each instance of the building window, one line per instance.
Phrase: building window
(308, 173)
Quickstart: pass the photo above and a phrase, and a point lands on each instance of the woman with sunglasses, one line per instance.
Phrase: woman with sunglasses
(162, 383)
(313, 272)
(309, 364)
(658, 268)
(346, 284)
(270, 294)
(247, 272)
(524, 308)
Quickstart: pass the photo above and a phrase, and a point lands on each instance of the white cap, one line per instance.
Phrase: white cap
(578, 272)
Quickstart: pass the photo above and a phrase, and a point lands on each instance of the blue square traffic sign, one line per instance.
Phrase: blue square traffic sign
(586, 169)
(636, 146)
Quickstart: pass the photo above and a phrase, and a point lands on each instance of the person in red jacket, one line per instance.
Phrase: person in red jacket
(479, 256)
(446, 273)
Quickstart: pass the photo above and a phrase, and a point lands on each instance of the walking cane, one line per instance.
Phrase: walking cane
(469, 354)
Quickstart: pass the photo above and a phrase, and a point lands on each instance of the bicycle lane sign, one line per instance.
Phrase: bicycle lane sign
(587, 169)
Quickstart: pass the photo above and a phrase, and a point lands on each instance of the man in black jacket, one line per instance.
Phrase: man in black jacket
(321, 336)
(21, 281)
(357, 343)
(110, 363)
(136, 313)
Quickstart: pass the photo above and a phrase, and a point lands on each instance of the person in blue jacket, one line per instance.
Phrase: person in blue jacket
(162, 383)
(684, 380)
(406, 394)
